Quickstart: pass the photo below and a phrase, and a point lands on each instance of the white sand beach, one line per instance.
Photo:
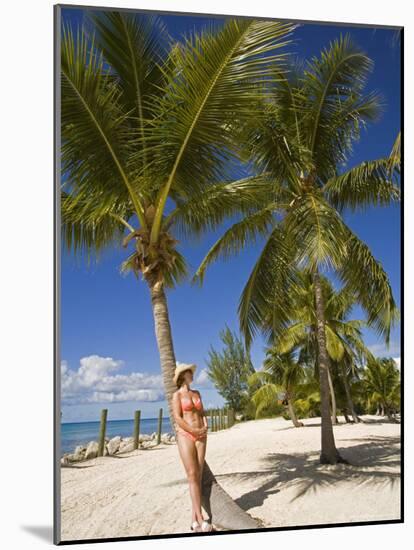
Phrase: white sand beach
(269, 467)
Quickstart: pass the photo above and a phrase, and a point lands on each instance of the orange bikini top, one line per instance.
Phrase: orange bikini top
(187, 403)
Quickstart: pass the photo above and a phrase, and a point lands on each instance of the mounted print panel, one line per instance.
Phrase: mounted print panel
(228, 270)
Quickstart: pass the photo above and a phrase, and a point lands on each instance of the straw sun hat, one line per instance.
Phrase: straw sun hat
(181, 367)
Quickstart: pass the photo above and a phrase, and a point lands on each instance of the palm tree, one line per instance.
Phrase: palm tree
(381, 384)
(300, 333)
(281, 374)
(145, 132)
(300, 143)
(347, 370)
(344, 342)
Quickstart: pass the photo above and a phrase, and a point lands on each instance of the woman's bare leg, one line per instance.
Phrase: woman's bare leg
(200, 445)
(189, 457)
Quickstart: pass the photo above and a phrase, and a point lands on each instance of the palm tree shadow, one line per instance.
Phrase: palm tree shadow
(380, 421)
(372, 462)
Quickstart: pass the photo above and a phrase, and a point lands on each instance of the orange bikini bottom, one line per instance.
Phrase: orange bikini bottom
(191, 436)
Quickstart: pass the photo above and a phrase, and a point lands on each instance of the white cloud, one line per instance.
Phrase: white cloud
(96, 381)
(398, 361)
(202, 379)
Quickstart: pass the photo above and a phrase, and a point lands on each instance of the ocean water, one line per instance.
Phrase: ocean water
(80, 433)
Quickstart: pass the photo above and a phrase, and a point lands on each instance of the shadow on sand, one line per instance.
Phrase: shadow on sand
(370, 463)
(341, 422)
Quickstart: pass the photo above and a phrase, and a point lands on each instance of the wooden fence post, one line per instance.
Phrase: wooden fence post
(102, 432)
(137, 419)
(159, 427)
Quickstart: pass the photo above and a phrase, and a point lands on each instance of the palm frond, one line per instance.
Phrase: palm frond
(266, 299)
(333, 344)
(237, 237)
(348, 328)
(135, 47)
(290, 337)
(394, 160)
(364, 276)
(206, 210)
(333, 84)
(317, 231)
(369, 183)
(93, 225)
(271, 139)
(355, 349)
(339, 304)
(95, 130)
(212, 77)
(343, 129)
(265, 395)
(259, 377)
(286, 371)
(177, 272)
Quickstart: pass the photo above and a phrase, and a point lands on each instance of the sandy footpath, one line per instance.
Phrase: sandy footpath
(269, 467)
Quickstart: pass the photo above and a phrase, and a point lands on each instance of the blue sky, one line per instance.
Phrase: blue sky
(108, 348)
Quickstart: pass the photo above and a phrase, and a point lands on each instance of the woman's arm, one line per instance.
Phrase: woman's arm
(202, 412)
(177, 411)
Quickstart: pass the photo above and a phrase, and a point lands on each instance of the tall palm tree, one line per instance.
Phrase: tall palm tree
(301, 332)
(344, 342)
(300, 143)
(147, 127)
(347, 370)
(281, 373)
(381, 384)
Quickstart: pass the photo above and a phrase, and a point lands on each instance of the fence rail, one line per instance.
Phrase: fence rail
(218, 419)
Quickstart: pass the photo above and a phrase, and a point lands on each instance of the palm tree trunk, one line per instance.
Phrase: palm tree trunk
(292, 414)
(348, 394)
(333, 398)
(165, 344)
(387, 412)
(329, 453)
(220, 507)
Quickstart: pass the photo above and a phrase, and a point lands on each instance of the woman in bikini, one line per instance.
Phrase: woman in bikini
(191, 429)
